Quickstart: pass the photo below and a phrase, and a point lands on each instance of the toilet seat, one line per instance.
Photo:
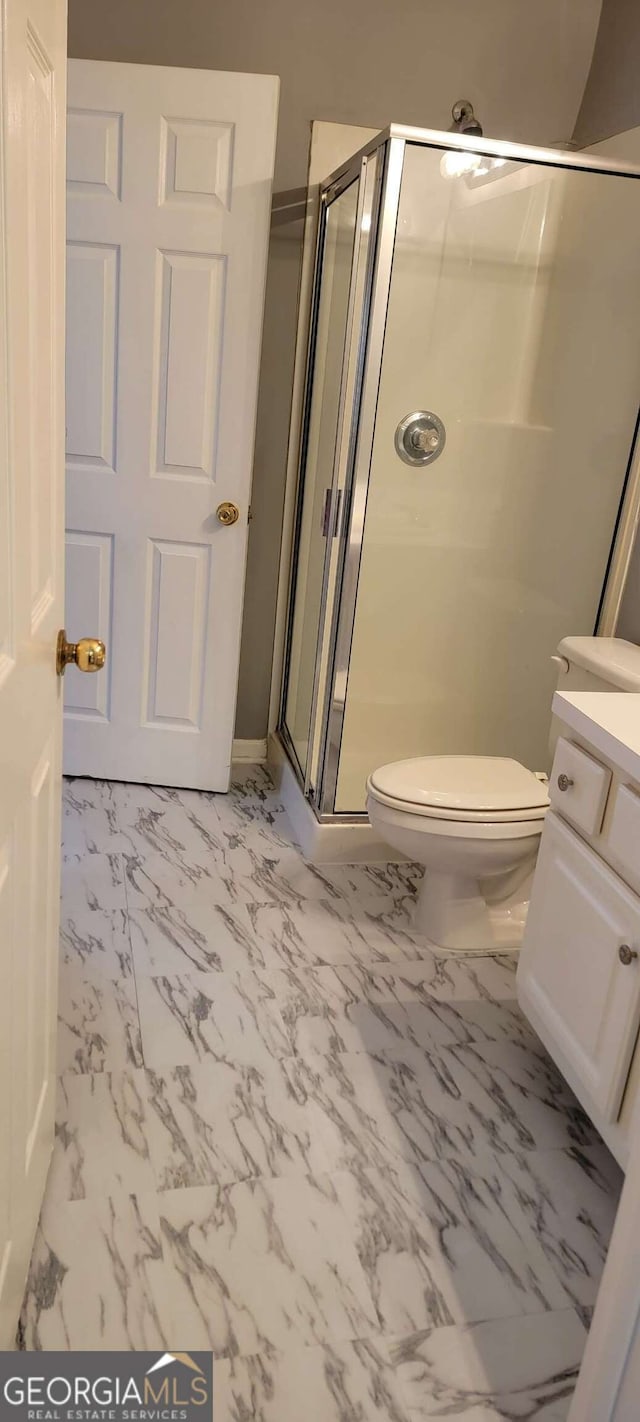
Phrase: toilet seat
(464, 827)
(468, 790)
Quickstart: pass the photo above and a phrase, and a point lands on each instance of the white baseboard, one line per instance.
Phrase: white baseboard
(253, 751)
(355, 843)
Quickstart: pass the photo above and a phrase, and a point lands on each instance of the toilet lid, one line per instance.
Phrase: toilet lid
(480, 784)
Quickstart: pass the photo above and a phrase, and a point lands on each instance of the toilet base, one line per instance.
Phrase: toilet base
(462, 916)
(478, 876)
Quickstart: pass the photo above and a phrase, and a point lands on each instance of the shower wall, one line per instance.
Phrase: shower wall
(510, 317)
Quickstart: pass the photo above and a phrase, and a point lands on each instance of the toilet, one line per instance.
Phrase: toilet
(475, 822)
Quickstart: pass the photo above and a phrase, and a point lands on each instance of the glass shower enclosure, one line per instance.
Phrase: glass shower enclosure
(471, 406)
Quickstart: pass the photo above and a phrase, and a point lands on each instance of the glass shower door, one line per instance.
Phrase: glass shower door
(329, 417)
(512, 317)
(324, 381)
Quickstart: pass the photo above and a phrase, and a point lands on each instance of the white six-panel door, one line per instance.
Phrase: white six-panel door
(168, 201)
(32, 116)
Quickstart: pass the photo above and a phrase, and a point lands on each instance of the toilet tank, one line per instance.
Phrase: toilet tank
(595, 664)
(598, 664)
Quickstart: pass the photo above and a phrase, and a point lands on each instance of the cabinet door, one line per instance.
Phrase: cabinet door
(582, 999)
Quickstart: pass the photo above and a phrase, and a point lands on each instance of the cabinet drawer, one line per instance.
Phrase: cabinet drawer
(623, 837)
(578, 787)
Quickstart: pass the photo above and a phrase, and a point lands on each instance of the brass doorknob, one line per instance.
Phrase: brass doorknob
(627, 954)
(227, 513)
(88, 655)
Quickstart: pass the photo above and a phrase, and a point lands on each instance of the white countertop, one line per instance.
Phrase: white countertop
(608, 720)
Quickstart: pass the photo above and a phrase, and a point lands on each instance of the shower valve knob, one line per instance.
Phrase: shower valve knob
(420, 437)
(425, 439)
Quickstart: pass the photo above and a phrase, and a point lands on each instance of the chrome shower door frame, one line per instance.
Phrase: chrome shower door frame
(353, 171)
(396, 139)
(318, 265)
(356, 429)
(327, 195)
(361, 437)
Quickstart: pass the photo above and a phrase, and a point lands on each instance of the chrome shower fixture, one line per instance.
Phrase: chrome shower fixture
(464, 119)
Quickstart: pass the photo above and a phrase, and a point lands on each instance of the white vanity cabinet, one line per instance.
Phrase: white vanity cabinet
(578, 977)
(579, 974)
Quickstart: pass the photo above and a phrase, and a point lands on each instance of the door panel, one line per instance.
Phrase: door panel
(188, 354)
(40, 157)
(92, 306)
(169, 183)
(88, 596)
(179, 579)
(94, 147)
(40, 974)
(33, 39)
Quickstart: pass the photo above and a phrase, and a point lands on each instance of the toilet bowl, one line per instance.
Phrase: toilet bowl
(474, 822)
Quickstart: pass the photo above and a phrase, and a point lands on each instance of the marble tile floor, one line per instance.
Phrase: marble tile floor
(288, 1132)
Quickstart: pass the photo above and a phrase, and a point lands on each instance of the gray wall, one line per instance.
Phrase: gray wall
(611, 102)
(611, 105)
(353, 61)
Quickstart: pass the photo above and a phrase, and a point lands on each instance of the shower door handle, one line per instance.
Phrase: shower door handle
(326, 513)
(330, 527)
(336, 521)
